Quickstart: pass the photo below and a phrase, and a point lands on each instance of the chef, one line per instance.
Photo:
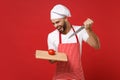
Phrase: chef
(59, 40)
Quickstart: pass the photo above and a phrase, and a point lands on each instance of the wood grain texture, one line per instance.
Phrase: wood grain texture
(59, 56)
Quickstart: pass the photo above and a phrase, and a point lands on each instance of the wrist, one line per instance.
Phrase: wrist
(88, 29)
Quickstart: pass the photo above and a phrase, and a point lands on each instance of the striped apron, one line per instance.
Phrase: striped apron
(72, 69)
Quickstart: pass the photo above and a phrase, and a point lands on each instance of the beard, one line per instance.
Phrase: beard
(63, 28)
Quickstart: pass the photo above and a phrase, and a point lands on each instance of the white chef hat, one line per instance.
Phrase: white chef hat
(59, 11)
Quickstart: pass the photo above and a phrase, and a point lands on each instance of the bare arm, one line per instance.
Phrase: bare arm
(93, 39)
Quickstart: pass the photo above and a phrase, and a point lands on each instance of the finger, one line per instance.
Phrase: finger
(90, 20)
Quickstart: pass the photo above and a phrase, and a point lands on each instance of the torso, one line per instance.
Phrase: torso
(54, 36)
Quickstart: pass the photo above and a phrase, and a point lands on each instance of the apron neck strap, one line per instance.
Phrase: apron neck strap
(60, 38)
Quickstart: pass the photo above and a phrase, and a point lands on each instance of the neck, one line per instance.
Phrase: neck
(68, 28)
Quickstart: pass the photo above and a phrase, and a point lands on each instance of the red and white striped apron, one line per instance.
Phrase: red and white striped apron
(72, 69)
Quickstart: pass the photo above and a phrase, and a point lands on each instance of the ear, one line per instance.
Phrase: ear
(66, 19)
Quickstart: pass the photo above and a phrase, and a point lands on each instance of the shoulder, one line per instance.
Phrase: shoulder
(82, 33)
(53, 33)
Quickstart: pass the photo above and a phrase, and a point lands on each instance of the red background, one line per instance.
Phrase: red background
(24, 25)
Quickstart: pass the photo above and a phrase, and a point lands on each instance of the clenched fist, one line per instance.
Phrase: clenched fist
(88, 23)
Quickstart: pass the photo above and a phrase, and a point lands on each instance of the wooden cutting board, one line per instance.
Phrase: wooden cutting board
(42, 54)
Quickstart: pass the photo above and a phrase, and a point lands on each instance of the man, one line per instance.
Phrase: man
(59, 41)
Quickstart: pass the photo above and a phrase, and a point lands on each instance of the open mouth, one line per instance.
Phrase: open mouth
(60, 29)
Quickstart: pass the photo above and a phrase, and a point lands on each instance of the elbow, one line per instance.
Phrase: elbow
(94, 43)
(97, 46)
